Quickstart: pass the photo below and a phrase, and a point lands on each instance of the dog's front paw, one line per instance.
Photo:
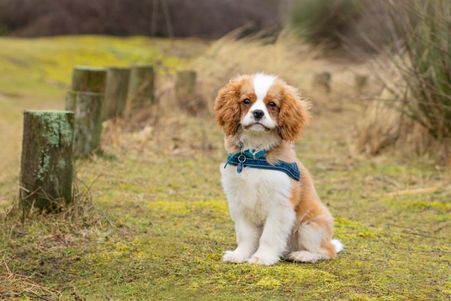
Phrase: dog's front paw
(234, 256)
(263, 259)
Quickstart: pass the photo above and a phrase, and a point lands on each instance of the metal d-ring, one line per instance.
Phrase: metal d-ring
(241, 158)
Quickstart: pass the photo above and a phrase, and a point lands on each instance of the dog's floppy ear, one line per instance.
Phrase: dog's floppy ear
(293, 114)
(227, 106)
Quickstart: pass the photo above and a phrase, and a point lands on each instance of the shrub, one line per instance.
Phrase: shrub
(417, 70)
(324, 21)
(425, 67)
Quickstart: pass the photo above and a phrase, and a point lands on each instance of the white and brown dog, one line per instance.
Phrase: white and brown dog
(272, 200)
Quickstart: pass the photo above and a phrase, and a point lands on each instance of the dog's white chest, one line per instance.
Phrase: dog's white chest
(254, 192)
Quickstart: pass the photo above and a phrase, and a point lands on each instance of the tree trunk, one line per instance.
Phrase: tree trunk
(88, 79)
(115, 92)
(141, 87)
(46, 166)
(185, 86)
(87, 109)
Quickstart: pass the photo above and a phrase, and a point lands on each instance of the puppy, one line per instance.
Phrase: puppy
(271, 197)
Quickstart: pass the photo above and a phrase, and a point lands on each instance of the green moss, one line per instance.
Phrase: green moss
(188, 207)
(268, 283)
(423, 205)
(435, 203)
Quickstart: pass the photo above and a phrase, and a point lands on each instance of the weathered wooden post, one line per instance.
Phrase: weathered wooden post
(46, 166)
(87, 108)
(116, 90)
(86, 101)
(185, 86)
(141, 87)
(88, 79)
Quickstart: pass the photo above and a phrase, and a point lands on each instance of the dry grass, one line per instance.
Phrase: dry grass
(383, 128)
(80, 212)
(286, 56)
(14, 286)
(414, 110)
(37, 233)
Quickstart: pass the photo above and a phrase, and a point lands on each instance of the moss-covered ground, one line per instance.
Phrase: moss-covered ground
(159, 221)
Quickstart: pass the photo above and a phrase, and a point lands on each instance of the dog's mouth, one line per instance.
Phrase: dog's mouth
(256, 124)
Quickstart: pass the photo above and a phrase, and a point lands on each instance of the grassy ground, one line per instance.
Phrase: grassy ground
(159, 221)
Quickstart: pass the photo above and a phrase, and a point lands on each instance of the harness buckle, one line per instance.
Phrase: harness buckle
(241, 158)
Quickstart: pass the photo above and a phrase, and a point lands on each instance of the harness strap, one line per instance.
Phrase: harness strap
(258, 160)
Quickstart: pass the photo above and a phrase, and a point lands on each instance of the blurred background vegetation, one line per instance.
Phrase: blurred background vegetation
(163, 18)
(397, 52)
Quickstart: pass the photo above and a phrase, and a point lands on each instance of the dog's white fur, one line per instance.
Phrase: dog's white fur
(260, 207)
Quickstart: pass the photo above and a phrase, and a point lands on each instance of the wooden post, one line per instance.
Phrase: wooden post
(185, 86)
(115, 92)
(86, 100)
(87, 107)
(360, 82)
(322, 81)
(46, 166)
(141, 87)
(88, 79)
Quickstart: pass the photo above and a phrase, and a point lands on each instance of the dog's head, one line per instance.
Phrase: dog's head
(260, 103)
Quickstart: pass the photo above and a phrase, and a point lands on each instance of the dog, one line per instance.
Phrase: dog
(271, 196)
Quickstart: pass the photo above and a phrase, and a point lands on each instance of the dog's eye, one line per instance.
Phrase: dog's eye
(247, 101)
(272, 105)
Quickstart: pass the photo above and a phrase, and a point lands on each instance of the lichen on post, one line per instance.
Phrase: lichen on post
(88, 79)
(87, 108)
(116, 90)
(185, 85)
(46, 165)
(141, 87)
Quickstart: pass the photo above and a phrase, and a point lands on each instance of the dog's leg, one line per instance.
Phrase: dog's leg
(247, 235)
(315, 242)
(275, 236)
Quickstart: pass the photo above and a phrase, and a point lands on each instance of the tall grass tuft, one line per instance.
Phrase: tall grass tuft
(425, 64)
(416, 71)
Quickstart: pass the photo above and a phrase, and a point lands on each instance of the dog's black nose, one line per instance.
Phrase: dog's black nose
(258, 114)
